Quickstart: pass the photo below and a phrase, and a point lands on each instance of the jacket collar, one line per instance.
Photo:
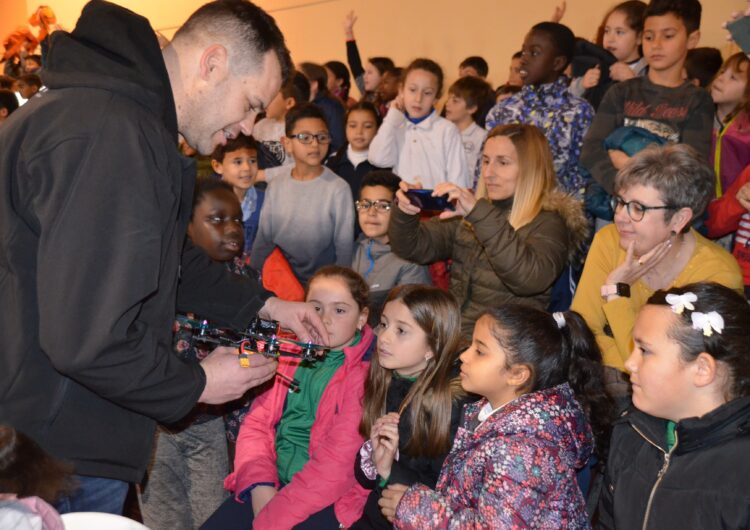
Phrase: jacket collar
(556, 90)
(727, 422)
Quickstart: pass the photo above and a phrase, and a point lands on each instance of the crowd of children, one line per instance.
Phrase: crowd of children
(611, 178)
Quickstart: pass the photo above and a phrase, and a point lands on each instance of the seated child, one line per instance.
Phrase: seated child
(413, 139)
(412, 398)
(8, 104)
(730, 142)
(621, 34)
(332, 108)
(678, 457)
(270, 130)
(31, 481)
(702, 65)
(469, 98)
(295, 454)
(474, 66)
(184, 484)
(339, 82)
(366, 77)
(350, 162)
(730, 215)
(661, 101)
(514, 459)
(373, 259)
(308, 209)
(514, 71)
(28, 85)
(546, 102)
(236, 163)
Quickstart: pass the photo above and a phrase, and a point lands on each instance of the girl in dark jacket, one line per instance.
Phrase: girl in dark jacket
(679, 457)
(412, 398)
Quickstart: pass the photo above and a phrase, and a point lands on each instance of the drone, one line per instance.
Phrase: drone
(261, 337)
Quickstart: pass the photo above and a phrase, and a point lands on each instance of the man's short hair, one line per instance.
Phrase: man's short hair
(8, 101)
(703, 64)
(689, 11)
(477, 63)
(300, 112)
(249, 32)
(242, 141)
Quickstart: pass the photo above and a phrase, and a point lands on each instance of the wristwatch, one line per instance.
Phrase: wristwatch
(620, 289)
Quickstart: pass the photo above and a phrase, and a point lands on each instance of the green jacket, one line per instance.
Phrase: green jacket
(494, 264)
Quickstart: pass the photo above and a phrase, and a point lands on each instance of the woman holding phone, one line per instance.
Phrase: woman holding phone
(511, 240)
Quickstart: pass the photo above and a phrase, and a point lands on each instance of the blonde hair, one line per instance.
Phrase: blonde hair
(536, 175)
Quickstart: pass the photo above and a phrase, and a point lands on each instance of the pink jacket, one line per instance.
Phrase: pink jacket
(328, 477)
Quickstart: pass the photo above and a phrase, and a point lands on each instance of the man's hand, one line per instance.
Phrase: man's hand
(226, 380)
(300, 317)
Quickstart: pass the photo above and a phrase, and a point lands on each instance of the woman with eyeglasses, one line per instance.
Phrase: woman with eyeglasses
(650, 246)
(511, 240)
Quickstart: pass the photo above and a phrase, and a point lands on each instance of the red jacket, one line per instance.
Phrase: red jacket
(328, 477)
(726, 215)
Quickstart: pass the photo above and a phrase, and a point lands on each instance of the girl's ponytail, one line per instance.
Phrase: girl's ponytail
(586, 376)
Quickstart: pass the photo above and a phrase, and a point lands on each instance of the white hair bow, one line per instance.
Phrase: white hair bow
(680, 302)
(707, 322)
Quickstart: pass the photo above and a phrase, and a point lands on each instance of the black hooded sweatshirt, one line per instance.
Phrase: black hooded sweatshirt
(94, 205)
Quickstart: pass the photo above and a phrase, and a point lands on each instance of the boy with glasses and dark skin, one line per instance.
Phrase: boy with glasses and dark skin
(650, 246)
(307, 211)
(373, 259)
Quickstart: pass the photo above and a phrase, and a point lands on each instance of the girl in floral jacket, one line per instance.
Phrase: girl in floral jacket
(514, 459)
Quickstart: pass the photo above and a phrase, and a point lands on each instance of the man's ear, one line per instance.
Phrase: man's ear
(214, 64)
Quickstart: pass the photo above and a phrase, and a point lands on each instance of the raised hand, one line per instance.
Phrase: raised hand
(404, 204)
(463, 199)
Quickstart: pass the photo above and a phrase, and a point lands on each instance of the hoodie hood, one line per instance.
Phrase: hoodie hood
(571, 211)
(116, 50)
(552, 415)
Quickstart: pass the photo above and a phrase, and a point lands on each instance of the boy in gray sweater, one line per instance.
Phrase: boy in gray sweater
(307, 211)
(373, 259)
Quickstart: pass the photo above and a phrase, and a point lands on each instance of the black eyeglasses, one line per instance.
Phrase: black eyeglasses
(365, 205)
(307, 138)
(635, 209)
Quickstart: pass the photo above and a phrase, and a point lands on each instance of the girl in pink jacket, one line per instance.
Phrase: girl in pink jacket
(294, 466)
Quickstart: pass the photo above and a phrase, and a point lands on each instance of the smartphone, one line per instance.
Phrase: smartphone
(424, 200)
(740, 30)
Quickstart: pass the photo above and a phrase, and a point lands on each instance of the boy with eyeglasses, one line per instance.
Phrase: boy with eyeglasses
(307, 211)
(373, 259)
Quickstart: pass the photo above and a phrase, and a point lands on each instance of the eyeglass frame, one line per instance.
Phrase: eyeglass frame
(617, 201)
(312, 136)
(387, 205)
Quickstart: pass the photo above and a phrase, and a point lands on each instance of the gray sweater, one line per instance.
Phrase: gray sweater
(312, 222)
(383, 270)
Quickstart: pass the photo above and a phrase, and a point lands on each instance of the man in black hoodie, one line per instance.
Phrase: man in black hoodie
(94, 208)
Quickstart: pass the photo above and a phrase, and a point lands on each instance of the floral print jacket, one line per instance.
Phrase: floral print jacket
(517, 469)
(562, 117)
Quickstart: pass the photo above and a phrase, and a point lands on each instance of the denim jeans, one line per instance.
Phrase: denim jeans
(95, 494)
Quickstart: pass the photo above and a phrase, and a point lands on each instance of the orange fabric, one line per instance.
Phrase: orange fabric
(279, 278)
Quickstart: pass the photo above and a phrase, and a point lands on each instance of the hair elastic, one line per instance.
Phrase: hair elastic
(559, 319)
